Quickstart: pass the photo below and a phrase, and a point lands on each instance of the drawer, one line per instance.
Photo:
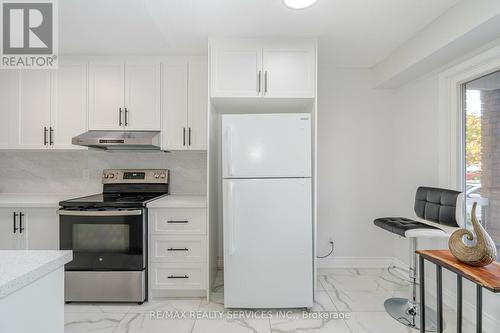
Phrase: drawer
(177, 276)
(178, 221)
(178, 248)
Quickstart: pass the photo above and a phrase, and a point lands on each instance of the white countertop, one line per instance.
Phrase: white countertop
(20, 268)
(40, 200)
(179, 201)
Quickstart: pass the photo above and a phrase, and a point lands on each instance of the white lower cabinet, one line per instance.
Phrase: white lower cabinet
(29, 229)
(179, 276)
(177, 252)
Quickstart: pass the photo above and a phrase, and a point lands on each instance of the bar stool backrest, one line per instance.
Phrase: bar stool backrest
(438, 205)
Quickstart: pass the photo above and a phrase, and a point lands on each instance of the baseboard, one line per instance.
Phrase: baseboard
(355, 262)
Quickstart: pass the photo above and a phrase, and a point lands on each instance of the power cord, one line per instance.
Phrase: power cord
(329, 254)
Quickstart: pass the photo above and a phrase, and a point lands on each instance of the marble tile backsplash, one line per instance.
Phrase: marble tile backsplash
(80, 171)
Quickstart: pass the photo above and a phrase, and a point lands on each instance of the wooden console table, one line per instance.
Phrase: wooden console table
(484, 277)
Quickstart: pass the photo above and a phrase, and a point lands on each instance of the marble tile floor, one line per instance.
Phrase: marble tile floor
(353, 299)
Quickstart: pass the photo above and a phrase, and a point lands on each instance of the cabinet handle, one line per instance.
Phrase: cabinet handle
(184, 136)
(178, 249)
(14, 219)
(259, 79)
(177, 222)
(126, 117)
(178, 276)
(21, 215)
(265, 82)
(120, 116)
(189, 136)
(45, 136)
(51, 136)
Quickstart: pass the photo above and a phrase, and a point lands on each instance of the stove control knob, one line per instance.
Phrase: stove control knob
(157, 176)
(112, 175)
(162, 176)
(106, 175)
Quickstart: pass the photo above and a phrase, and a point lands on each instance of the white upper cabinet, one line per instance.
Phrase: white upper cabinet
(289, 70)
(184, 124)
(236, 69)
(197, 103)
(124, 95)
(107, 95)
(142, 96)
(33, 121)
(253, 68)
(9, 106)
(69, 114)
(175, 104)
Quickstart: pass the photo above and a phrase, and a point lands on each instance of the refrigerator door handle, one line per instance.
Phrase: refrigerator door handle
(228, 152)
(233, 223)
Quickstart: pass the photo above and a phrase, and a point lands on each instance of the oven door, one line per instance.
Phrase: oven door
(104, 240)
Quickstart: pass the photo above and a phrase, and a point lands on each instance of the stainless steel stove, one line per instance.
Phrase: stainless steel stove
(107, 233)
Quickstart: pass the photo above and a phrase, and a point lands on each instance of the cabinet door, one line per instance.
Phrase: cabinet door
(33, 119)
(175, 104)
(9, 106)
(42, 229)
(106, 95)
(289, 70)
(197, 104)
(142, 95)
(9, 240)
(235, 68)
(69, 116)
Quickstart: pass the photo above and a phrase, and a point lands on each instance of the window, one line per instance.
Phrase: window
(482, 151)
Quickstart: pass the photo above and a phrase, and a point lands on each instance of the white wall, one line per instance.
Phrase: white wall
(416, 137)
(356, 164)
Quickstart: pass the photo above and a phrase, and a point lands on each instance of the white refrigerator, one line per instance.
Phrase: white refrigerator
(267, 211)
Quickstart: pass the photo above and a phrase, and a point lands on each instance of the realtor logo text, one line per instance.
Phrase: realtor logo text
(29, 34)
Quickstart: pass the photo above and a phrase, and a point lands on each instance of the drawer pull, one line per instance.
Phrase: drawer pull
(174, 221)
(178, 276)
(178, 249)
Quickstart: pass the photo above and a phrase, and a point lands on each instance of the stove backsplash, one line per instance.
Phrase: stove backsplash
(80, 171)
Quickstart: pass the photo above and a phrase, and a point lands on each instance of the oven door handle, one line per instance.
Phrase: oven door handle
(66, 212)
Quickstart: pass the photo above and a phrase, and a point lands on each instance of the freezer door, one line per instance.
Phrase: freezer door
(266, 145)
(268, 258)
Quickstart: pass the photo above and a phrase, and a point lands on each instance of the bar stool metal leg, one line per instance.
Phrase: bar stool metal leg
(422, 294)
(439, 282)
(479, 309)
(407, 310)
(459, 304)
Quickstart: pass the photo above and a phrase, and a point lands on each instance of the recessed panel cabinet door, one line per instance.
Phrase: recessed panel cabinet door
(142, 96)
(106, 95)
(175, 104)
(9, 106)
(69, 116)
(235, 69)
(34, 108)
(197, 104)
(9, 240)
(289, 71)
(42, 229)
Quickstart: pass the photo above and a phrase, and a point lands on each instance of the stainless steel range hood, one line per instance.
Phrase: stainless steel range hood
(119, 140)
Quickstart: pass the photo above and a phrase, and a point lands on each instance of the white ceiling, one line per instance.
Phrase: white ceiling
(352, 33)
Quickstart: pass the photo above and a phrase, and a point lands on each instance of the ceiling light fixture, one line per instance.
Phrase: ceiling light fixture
(298, 4)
